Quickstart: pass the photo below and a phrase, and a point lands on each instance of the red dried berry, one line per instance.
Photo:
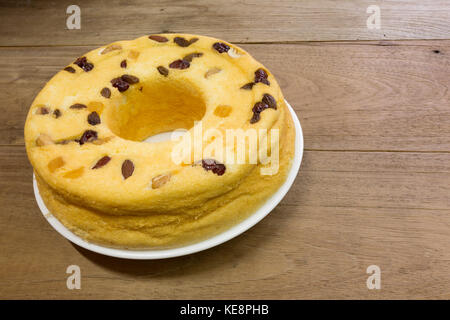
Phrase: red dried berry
(270, 101)
(88, 136)
(102, 162)
(261, 76)
(221, 47)
(213, 165)
(179, 64)
(127, 169)
(84, 64)
(158, 38)
(93, 118)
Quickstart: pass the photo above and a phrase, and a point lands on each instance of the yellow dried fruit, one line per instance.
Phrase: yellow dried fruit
(102, 140)
(159, 181)
(55, 164)
(44, 140)
(133, 54)
(212, 71)
(111, 47)
(223, 111)
(74, 174)
(96, 106)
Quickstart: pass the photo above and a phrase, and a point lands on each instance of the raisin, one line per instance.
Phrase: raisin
(182, 42)
(127, 168)
(102, 162)
(158, 38)
(78, 106)
(93, 118)
(43, 110)
(261, 76)
(248, 86)
(163, 70)
(179, 64)
(159, 181)
(57, 113)
(216, 167)
(191, 56)
(259, 107)
(129, 79)
(84, 64)
(106, 93)
(255, 118)
(120, 84)
(221, 47)
(123, 64)
(270, 101)
(88, 136)
(69, 69)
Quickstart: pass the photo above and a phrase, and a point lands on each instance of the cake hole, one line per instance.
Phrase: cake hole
(222, 111)
(160, 108)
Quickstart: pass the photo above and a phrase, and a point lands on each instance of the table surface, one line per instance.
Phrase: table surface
(374, 184)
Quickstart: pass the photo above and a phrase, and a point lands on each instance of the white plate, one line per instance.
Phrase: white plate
(263, 211)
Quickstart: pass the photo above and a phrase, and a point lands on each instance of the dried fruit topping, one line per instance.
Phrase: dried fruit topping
(261, 76)
(55, 164)
(102, 141)
(96, 106)
(69, 69)
(42, 110)
(127, 168)
(133, 55)
(182, 42)
(74, 174)
(233, 53)
(257, 109)
(221, 47)
(159, 181)
(93, 118)
(212, 71)
(270, 101)
(78, 106)
(248, 86)
(84, 64)
(191, 56)
(123, 64)
(106, 93)
(102, 162)
(120, 84)
(111, 47)
(216, 167)
(163, 70)
(44, 140)
(87, 136)
(57, 113)
(158, 38)
(130, 79)
(222, 111)
(179, 64)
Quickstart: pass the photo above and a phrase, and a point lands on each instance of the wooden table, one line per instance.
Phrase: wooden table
(373, 188)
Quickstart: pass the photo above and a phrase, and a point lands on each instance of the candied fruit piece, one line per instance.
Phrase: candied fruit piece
(55, 164)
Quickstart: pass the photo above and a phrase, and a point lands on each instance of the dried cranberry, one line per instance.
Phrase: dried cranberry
(221, 47)
(163, 70)
(179, 64)
(102, 162)
(106, 92)
(69, 69)
(123, 64)
(120, 84)
(93, 118)
(84, 64)
(88, 136)
(261, 76)
(129, 79)
(216, 167)
(158, 38)
(127, 169)
(248, 86)
(270, 101)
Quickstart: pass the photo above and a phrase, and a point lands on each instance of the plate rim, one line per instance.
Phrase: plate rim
(216, 240)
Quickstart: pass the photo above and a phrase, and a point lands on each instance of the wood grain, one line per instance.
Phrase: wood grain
(334, 223)
(44, 23)
(349, 96)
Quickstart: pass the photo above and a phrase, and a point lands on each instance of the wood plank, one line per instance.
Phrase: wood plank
(44, 23)
(334, 223)
(375, 96)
